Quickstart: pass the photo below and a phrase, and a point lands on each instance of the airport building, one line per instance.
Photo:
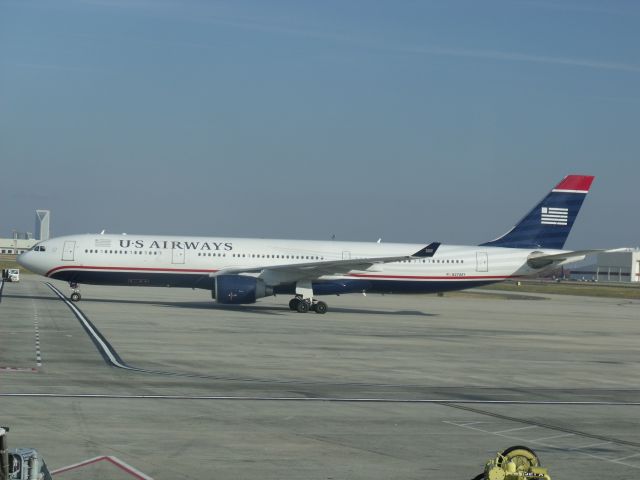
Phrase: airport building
(621, 265)
(11, 247)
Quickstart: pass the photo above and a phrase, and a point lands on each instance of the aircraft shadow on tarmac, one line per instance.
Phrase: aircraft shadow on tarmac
(210, 305)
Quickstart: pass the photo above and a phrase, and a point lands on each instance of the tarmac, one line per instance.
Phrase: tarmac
(165, 384)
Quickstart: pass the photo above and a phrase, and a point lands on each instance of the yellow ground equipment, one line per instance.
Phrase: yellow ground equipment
(515, 463)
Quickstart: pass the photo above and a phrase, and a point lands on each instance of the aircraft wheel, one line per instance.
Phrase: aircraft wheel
(320, 307)
(75, 297)
(303, 306)
(293, 303)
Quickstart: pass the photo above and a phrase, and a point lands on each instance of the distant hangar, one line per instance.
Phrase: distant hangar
(621, 265)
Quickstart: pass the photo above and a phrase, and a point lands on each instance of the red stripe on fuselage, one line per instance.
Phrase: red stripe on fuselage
(424, 277)
(127, 269)
(357, 275)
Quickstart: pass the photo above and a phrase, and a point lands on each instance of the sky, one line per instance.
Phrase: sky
(410, 121)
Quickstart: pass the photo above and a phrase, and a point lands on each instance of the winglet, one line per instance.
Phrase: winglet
(428, 251)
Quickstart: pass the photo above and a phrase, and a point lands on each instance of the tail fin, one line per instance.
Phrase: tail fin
(549, 223)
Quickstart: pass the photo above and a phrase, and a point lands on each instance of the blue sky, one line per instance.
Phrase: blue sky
(412, 121)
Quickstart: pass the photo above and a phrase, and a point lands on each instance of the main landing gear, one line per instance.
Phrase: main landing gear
(75, 294)
(302, 305)
(304, 301)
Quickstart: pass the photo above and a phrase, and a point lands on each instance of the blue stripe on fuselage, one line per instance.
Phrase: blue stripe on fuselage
(320, 287)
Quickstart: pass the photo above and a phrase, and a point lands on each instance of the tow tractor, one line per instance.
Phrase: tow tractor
(11, 274)
(20, 463)
(515, 463)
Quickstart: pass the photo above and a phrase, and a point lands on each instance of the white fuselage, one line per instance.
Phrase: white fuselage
(192, 261)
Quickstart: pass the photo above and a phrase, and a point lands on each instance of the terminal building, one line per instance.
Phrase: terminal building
(20, 242)
(622, 265)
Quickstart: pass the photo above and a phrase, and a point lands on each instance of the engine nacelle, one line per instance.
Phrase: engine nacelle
(239, 289)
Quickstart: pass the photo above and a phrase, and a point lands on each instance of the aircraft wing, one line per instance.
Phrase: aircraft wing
(540, 261)
(305, 271)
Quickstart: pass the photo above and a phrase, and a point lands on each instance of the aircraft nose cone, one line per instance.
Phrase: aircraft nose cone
(26, 260)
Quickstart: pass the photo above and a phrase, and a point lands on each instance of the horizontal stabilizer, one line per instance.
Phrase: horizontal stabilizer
(542, 260)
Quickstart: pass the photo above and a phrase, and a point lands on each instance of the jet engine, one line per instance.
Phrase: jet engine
(239, 289)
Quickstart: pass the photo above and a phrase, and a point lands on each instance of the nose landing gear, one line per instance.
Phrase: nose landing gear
(75, 294)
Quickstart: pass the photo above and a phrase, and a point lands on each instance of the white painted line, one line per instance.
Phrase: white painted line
(548, 445)
(601, 458)
(459, 423)
(591, 445)
(516, 429)
(442, 401)
(554, 436)
(37, 329)
(624, 458)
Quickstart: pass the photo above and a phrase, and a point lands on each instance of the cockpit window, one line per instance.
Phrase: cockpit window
(39, 248)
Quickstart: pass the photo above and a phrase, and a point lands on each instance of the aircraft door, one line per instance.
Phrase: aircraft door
(346, 255)
(482, 262)
(177, 255)
(68, 251)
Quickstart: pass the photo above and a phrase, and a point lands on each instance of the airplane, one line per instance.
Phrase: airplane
(242, 270)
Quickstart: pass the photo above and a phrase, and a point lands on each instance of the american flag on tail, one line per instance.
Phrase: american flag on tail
(554, 216)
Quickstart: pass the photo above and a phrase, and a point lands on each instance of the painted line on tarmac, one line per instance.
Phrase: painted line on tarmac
(36, 326)
(577, 450)
(125, 467)
(104, 347)
(460, 406)
(451, 402)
